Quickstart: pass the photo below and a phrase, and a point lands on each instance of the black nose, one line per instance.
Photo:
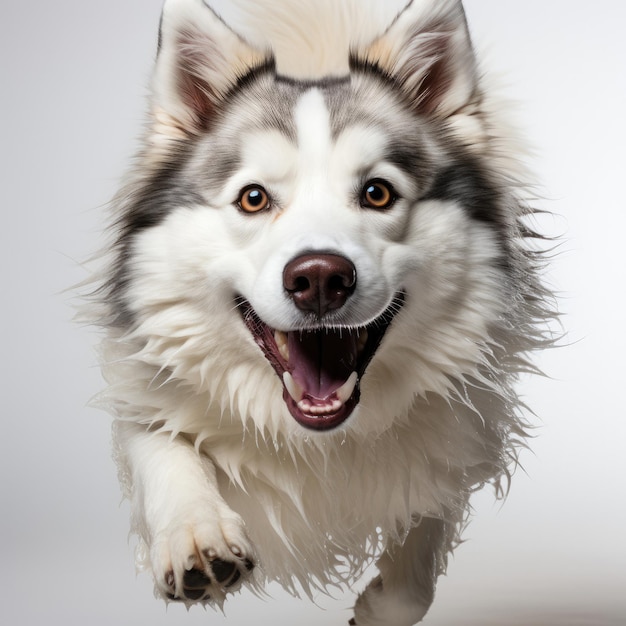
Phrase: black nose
(319, 282)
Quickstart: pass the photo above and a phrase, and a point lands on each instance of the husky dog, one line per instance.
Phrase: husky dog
(319, 296)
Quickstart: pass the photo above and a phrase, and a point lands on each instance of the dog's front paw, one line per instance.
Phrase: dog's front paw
(201, 557)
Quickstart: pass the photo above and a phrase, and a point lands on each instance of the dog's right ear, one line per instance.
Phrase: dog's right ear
(199, 60)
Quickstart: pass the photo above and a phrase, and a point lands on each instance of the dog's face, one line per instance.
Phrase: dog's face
(310, 241)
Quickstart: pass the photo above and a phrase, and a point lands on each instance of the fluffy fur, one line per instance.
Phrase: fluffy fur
(231, 481)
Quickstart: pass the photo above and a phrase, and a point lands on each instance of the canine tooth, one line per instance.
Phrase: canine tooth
(292, 387)
(281, 343)
(345, 391)
(361, 340)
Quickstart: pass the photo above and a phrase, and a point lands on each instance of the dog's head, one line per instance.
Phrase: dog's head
(307, 248)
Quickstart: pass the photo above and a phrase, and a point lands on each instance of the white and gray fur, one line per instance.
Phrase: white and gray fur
(226, 487)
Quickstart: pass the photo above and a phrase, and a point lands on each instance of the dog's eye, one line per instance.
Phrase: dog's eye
(253, 199)
(377, 194)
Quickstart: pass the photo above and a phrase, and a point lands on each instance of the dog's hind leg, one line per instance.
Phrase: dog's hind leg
(198, 546)
(404, 590)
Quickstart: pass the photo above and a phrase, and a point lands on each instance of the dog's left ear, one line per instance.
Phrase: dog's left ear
(427, 49)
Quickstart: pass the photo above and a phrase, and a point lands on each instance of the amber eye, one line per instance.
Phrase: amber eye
(377, 194)
(253, 199)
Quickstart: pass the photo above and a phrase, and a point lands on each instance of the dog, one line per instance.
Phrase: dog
(320, 290)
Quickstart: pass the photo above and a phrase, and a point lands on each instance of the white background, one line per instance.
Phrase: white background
(73, 80)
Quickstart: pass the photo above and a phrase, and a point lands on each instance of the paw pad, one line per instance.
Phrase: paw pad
(211, 579)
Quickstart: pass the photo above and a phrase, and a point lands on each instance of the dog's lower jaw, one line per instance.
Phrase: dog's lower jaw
(325, 417)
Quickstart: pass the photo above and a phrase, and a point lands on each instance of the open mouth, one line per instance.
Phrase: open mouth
(320, 369)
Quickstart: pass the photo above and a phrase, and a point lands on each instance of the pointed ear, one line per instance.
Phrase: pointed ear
(199, 59)
(427, 49)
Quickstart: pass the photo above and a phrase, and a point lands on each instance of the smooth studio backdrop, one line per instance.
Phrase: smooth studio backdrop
(73, 80)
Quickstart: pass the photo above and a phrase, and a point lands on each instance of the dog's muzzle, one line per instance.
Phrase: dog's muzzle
(320, 365)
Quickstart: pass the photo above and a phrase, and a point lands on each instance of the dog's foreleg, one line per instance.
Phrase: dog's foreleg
(198, 546)
(404, 590)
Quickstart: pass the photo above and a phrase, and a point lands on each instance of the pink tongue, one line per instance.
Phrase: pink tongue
(321, 361)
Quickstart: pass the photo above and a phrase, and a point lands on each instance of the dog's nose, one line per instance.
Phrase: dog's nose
(319, 282)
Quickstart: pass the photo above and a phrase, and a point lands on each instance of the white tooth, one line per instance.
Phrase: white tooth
(305, 405)
(361, 340)
(345, 391)
(281, 343)
(292, 387)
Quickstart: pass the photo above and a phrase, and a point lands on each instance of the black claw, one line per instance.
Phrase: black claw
(222, 570)
(352, 622)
